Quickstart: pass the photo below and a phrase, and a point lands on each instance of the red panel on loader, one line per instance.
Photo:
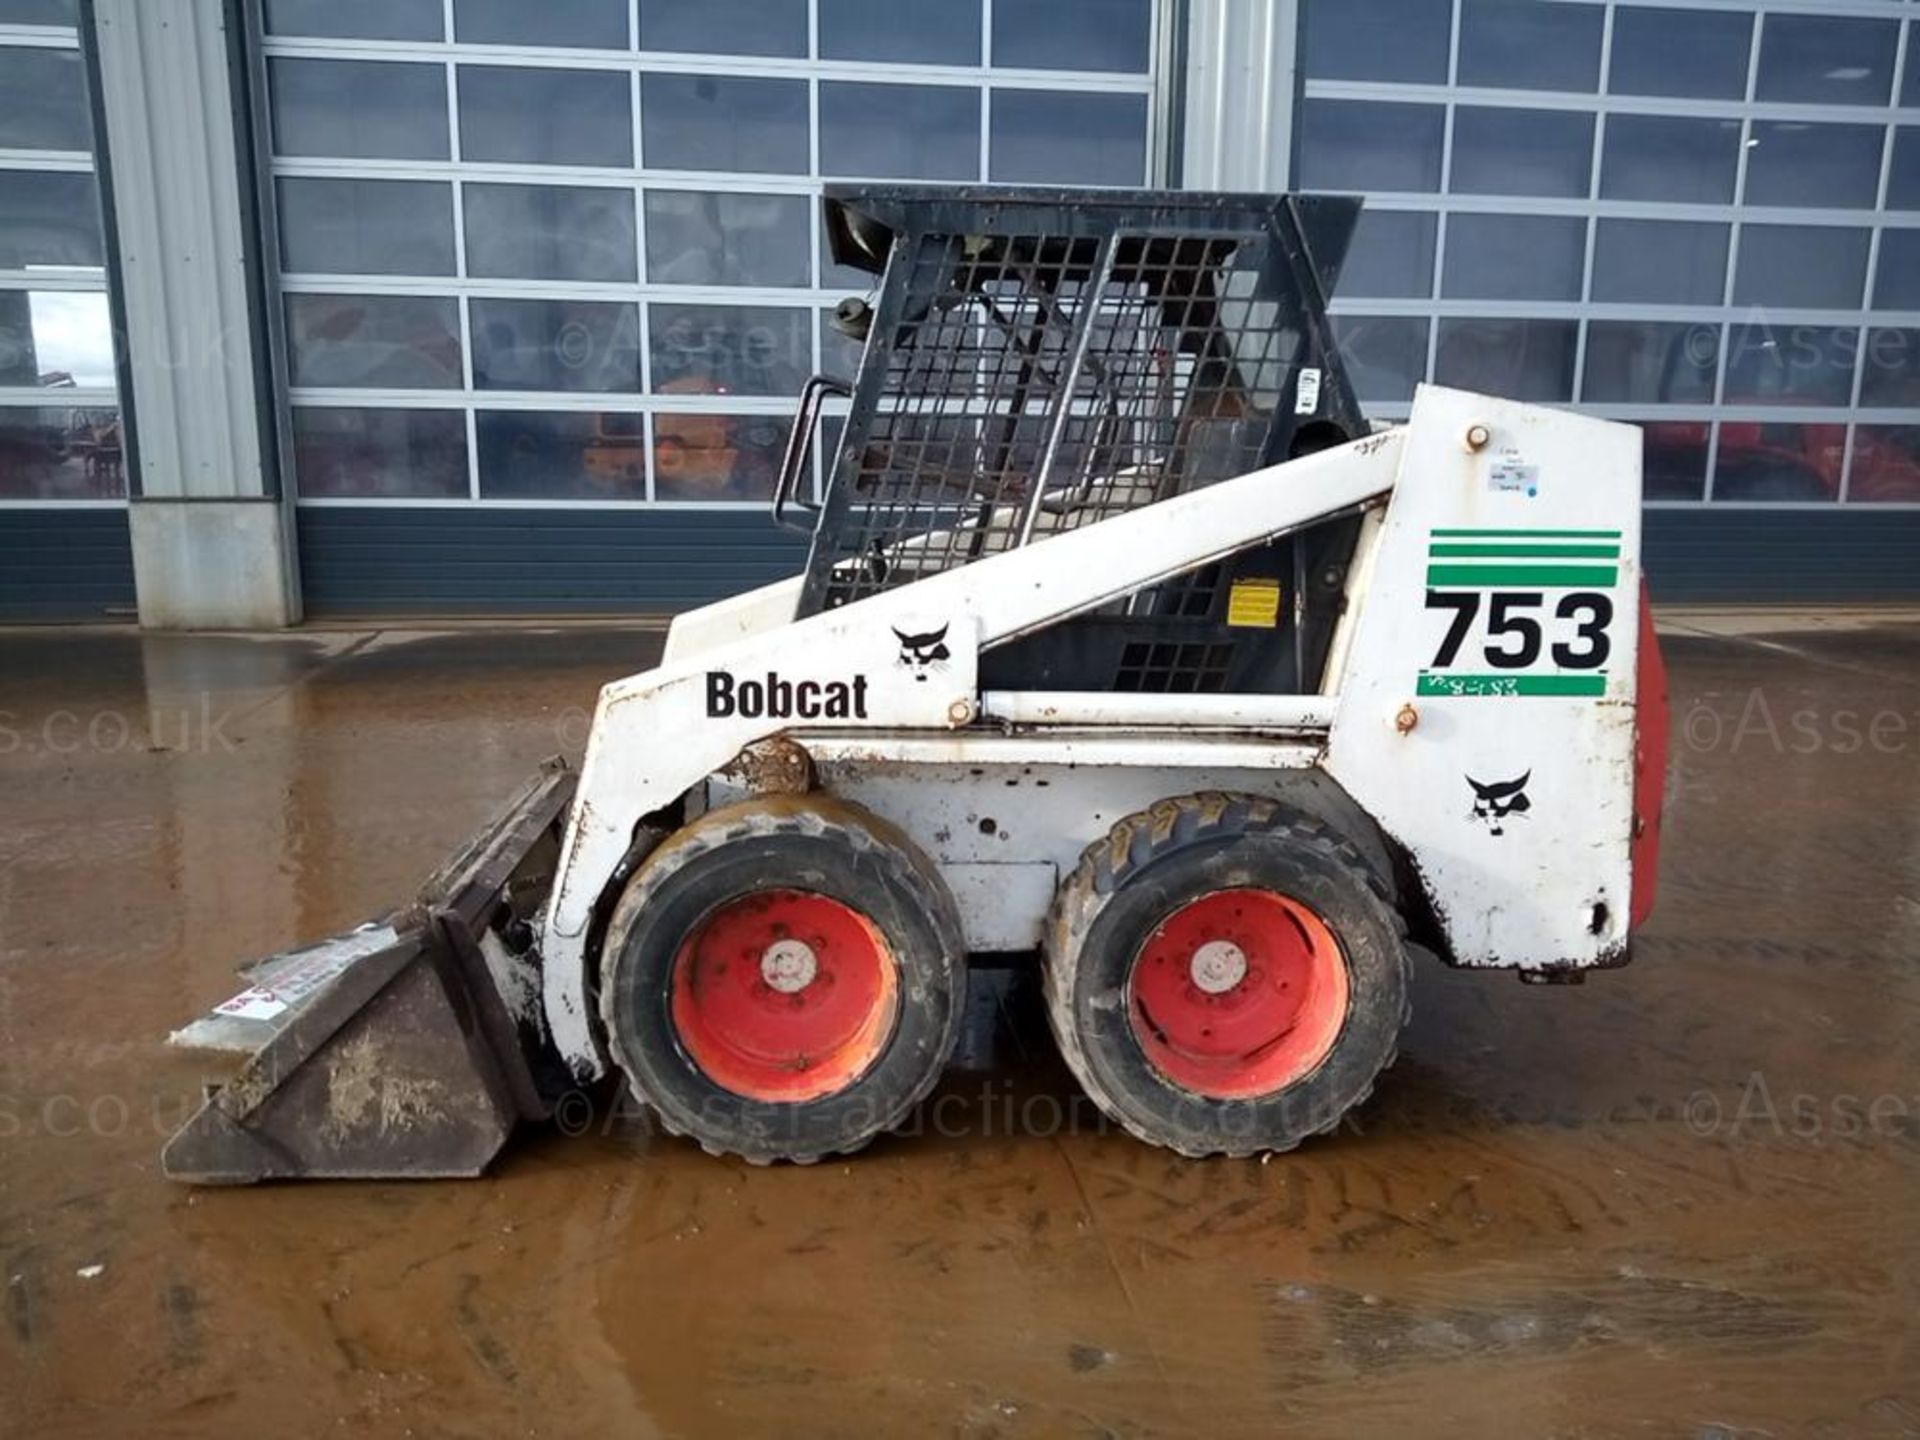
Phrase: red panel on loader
(1649, 764)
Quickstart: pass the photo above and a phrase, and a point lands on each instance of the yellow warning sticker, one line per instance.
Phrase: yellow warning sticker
(1254, 604)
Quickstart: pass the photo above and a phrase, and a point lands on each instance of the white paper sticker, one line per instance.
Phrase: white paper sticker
(1306, 395)
(1509, 474)
(252, 1004)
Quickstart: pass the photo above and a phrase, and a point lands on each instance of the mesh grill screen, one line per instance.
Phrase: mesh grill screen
(1035, 383)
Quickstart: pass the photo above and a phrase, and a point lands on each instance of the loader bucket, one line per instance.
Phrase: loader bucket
(407, 1048)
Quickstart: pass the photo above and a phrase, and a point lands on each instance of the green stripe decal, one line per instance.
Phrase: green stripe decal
(1461, 685)
(1527, 534)
(1494, 550)
(1598, 577)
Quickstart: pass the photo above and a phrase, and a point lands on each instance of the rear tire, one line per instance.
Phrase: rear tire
(1225, 975)
(783, 980)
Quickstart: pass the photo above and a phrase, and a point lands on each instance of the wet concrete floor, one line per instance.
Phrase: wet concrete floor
(1678, 1201)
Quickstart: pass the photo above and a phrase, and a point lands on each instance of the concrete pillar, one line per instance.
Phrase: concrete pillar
(1241, 81)
(211, 522)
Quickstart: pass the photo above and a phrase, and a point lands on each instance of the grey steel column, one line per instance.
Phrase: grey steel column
(212, 528)
(1241, 85)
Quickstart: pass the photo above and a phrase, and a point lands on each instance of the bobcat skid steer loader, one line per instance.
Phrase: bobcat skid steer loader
(1122, 639)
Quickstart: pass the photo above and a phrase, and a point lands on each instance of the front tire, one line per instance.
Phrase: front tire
(1225, 975)
(783, 980)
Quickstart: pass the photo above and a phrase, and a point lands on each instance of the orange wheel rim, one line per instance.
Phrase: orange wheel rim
(784, 995)
(1238, 994)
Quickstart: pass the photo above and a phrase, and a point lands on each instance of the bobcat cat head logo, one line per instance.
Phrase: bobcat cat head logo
(1503, 799)
(922, 652)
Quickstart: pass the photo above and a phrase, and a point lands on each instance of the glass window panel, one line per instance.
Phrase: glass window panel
(550, 455)
(839, 354)
(1498, 151)
(1514, 257)
(1673, 458)
(1670, 157)
(724, 27)
(1061, 137)
(1391, 255)
(717, 458)
(1826, 59)
(1910, 79)
(1384, 356)
(1521, 359)
(353, 454)
(541, 116)
(1698, 54)
(578, 346)
(1815, 266)
(55, 338)
(724, 122)
(49, 218)
(1782, 464)
(1790, 364)
(60, 453)
(1363, 145)
(930, 32)
(1791, 162)
(730, 349)
(617, 454)
(1886, 465)
(1660, 262)
(43, 100)
(903, 132)
(1403, 40)
(1530, 44)
(366, 227)
(407, 342)
(367, 109)
(40, 12)
(701, 238)
(1897, 283)
(1644, 362)
(387, 20)
(1114, 35)
(550, 232)
(1891, 379)
(1903, 184)
(584, 24)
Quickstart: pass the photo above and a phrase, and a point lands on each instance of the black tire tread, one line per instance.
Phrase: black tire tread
(1128, 847)
(811, 815)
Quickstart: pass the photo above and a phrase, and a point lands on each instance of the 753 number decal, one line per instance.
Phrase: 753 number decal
(1518, 634)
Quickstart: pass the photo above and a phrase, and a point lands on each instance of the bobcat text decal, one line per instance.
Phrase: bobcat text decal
(777, 698)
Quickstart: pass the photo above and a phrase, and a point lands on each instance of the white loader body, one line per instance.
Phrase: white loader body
(1478, 707)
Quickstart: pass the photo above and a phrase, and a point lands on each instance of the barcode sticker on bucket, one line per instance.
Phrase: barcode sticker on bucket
(252, 1004)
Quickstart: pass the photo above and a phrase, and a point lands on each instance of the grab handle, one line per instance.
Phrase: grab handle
(800, 448)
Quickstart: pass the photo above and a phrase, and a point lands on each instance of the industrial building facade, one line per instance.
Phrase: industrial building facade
(476, 306)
